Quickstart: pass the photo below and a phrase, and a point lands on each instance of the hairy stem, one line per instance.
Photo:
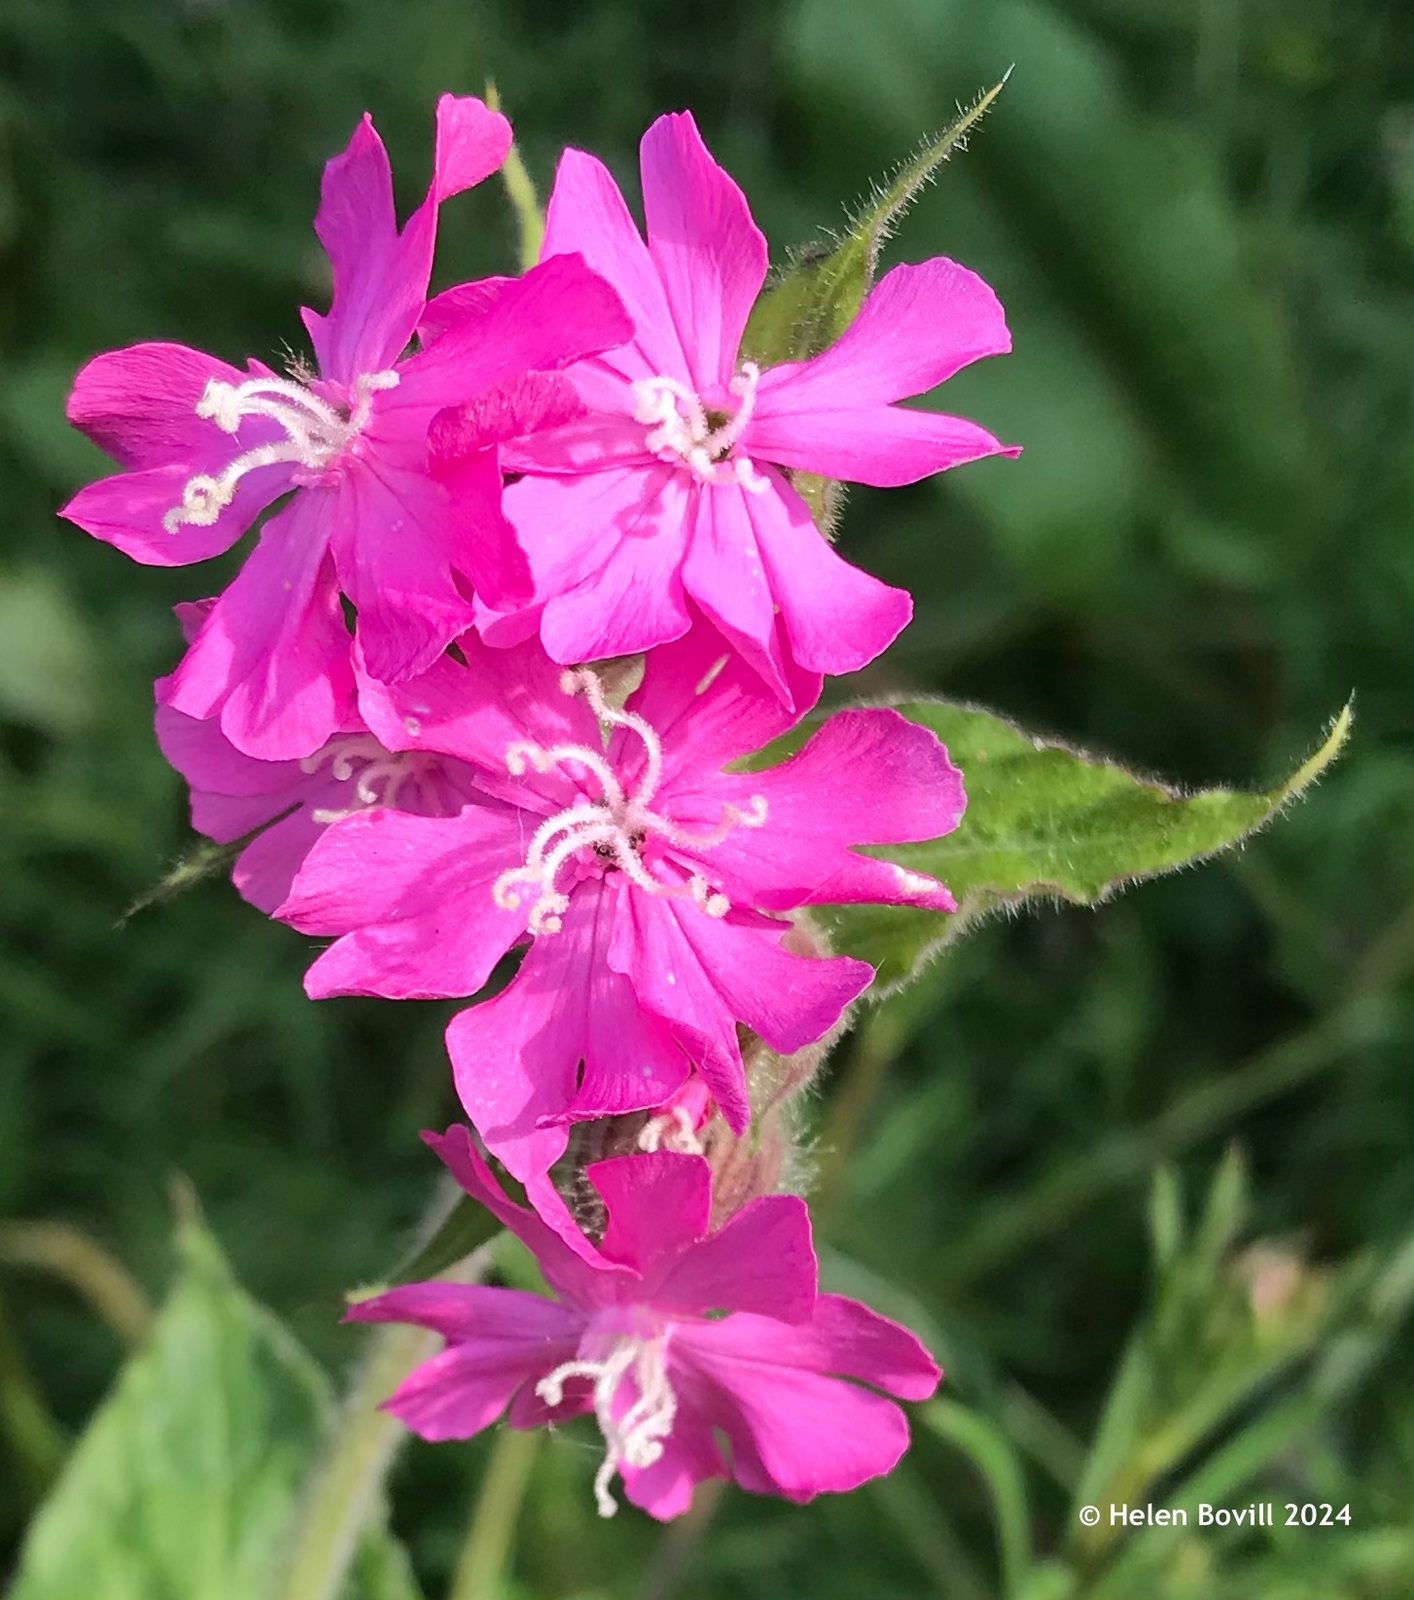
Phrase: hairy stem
(481, 1568)
(345, 1490)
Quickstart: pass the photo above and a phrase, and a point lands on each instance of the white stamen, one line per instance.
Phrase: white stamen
(315, 433)
(636, 1439)
(614, 826)
(381, 773)
(672, 1130)
(682, 429)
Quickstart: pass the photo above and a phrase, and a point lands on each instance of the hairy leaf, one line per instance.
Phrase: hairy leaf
(1046, 821)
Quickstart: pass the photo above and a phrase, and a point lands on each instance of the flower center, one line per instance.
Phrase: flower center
(381, 773)
(614, 827)
(316, 432)
(684, 429)
(636, 1438)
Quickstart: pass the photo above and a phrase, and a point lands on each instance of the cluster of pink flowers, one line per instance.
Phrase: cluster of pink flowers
(537, 582)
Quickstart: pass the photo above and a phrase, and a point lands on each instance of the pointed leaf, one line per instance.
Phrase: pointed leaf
(821, 292)
(1046, 821)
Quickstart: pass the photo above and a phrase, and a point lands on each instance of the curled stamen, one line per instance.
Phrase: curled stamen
(752, 815)
(587, 683)
(682, 427)
(378, 774)
(523, 755)
(315, 433)
(636, 1439)
(614, 826)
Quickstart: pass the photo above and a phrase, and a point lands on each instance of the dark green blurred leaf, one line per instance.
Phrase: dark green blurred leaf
(47, 675)
(468, 1226)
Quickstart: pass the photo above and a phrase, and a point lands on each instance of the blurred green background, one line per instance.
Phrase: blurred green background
(1200, 217)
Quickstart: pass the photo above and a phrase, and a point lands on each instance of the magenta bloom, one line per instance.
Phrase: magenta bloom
(205, 448)
(292, 802)
(651, 882)
(677, 485)
(637, 1335)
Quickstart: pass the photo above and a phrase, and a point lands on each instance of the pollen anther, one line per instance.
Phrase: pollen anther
(682, 429)
(614, 826)
(636, 1438)
(316, 432)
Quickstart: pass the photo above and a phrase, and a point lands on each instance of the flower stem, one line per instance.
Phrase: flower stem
(343, 1494)
(481, 1568)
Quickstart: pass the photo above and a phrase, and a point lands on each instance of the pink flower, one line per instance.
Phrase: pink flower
(652, 884)
(637, 1335)
(292, 802)
(206, 448)
(676, 486)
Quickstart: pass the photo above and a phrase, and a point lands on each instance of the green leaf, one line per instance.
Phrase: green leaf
(1046, 821)
(989, 1450)
(820, 293)
(183, 1485)
(47, 661)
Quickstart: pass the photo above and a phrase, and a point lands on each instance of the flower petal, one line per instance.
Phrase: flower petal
(580, 1275)
(794, 1431)
(865, 777)
(473, 1313)
(920, 323)
(127, 509)
(272, 655)
(476, 711)
(761, 1259)
(458, 1393)
(209, 762)
(725, 574)
(883, 445)
(710, 254)
(411, 898)
(613, 592)
(391, 549)
(659, 1203)
(516, 1058)
(380, 277)
(264, 872)
(515, 1061)
(586, 213)
(690, 1455)
(790, 1000)
(649, 948)
(837, 618)
(858, 1343)
(557, 313)
(139, 404)
(709, 707)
